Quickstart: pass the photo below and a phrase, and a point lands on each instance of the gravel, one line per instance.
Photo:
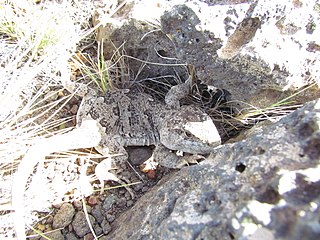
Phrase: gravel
(64, 216)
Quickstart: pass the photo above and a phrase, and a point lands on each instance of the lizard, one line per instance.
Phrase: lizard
(130, 117)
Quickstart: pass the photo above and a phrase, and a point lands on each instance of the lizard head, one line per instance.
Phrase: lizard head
(190, 130)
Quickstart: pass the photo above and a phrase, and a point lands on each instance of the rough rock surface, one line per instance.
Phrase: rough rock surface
(267, 184)
(246, 47)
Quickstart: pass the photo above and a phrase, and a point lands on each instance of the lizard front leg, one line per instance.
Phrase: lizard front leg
(178, 92)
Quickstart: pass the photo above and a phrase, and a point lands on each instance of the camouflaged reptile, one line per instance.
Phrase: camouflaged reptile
(133, 118)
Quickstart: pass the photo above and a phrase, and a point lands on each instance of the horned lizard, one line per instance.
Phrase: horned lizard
(133, 118)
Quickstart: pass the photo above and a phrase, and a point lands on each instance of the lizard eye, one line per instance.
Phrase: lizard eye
(188, 134)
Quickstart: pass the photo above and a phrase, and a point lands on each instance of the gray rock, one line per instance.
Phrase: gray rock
(110, 217)
(88, 236)
(137, 155)
(71, 236)
(109, 201)
(266, 184)
(229, 44)
(199, 48)
(97, 212)
(98, 230)
(64, 216)
(54, 235)
(80, 224)
(106, 227)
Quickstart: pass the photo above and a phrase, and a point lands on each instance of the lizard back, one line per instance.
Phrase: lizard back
(129, 118)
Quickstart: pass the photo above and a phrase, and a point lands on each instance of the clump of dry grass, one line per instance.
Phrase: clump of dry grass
(36, 42)
(107, 74)
(274, 112)
(235, 120)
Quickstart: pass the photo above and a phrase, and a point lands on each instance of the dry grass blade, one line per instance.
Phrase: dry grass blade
(88, 219)
(125, 185)
(21, 130)
(273, 112)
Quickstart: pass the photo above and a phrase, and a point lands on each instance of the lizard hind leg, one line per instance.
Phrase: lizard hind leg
(108, 169)
(170, 159)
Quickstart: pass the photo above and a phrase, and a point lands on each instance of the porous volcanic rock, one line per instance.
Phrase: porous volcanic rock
(266, 184)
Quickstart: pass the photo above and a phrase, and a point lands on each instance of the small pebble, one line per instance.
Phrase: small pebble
(106, 227)
(80, 224)
(127, 195)
(54, 235)
(144, 189)
(48, 220)
(152, 174)
(126, 174)
(98, 230)
(137, 187)
(78, 205)
(109, 201)
(74, 109)
(74, 101)
(122, 202)
(97, 212)
(89, 208)
(122, 191)
(41, 227)
(71, 236)
(130, 203)
(88, 236)
(70, 228)
(64, 216)
(110, 217)
(93, 200)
